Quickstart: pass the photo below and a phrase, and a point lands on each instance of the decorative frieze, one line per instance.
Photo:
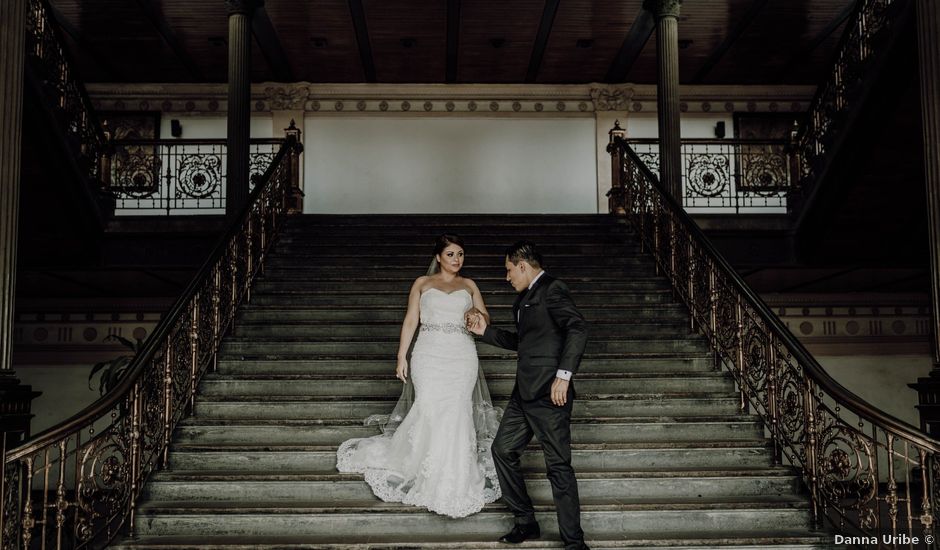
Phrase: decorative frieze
(419, 99)
(76, 337)
(894, 325)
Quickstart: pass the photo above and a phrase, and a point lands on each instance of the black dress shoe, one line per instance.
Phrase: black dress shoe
(521, 533)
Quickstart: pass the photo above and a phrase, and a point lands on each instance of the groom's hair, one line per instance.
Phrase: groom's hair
(524, 251)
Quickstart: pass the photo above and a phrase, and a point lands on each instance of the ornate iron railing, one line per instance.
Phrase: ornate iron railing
(867, 473)
(176, 176)
(50, 63)
(730, 175)
(867, 30)
(76, 484)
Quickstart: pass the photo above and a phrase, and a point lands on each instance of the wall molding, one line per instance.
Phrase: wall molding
(441, 99)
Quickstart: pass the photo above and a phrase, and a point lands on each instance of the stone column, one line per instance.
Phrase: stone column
(928, 50)
(928, 39)
(15, 398)
(239, 102)
(666, 13)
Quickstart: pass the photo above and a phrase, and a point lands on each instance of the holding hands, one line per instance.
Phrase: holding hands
(475, 321)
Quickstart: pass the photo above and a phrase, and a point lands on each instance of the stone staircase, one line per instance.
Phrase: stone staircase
(664, 457)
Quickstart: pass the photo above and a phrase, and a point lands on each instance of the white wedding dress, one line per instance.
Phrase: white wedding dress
(439, 456)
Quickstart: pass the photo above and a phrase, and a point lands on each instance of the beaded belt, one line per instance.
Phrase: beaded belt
(446, 328)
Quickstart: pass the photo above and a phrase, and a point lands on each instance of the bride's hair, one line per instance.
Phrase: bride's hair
(440, 244)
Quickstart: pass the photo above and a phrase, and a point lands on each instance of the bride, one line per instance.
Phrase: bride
(435, 447)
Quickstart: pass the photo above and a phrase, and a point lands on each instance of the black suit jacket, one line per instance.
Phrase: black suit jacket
(550, 335)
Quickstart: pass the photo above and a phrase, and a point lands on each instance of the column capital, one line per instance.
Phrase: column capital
(243, 7)
(662, 8)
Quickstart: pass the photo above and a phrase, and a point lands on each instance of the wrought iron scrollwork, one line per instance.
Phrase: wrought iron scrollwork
(176, 176)
(859, 464)
(722, 175)
(76, 484)
(865, 32)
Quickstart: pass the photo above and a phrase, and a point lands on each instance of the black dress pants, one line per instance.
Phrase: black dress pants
(551, 425)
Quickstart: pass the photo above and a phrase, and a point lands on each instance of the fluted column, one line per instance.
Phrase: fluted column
(15, 398)
(12, 55)
(666, 13)
(928, 38)
(239, 101)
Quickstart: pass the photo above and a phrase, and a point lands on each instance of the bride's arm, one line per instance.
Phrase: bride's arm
(408, 327)
(478, 300)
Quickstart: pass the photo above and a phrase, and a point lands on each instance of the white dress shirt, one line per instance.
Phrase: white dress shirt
(561, 373)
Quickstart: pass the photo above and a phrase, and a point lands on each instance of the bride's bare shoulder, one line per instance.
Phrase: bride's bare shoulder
(421, 283)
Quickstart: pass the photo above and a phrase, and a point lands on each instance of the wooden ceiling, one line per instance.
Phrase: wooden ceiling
(463, 41)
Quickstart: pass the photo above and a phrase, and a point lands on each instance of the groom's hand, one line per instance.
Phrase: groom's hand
(476, 323)
(559, 392)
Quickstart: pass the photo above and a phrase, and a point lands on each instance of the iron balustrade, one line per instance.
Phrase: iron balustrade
(867, 31)
(50, 62)
(730, 175)
(176, 176)
(866, 472)
(75, 485)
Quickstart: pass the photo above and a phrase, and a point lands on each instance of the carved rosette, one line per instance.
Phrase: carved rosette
(611, 99)
(287, 98)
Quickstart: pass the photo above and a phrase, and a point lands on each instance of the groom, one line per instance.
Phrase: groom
(550, 338)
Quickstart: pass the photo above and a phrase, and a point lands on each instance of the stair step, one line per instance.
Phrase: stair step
(501, 314)
(227, 406)
(739, 540)
(623, 516)
(636, 363)
(341, 488)
(616, 430)
(390, 348)
(317, 271)
(392, 329)
(400, 299)
(585, 457)
(499, 384)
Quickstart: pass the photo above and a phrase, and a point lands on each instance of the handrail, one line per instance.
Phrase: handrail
(90, 468)
(815, 422)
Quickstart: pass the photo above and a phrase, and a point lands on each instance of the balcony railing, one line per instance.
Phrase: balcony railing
(176, 176)
(50, 63)
(730, 175)
(867, 473)
(865, 36)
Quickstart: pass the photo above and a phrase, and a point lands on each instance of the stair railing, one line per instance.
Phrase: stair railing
(867, 473)
(75, 485)
(867, 32)
(50, 62)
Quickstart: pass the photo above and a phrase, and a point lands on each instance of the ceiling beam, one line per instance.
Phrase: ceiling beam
(636, 39)
(270, 45)
(453, 32)
(358, 14)
(97, 58)
(155, 16)
(730, 39)
(541, 39)
(803, 53)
